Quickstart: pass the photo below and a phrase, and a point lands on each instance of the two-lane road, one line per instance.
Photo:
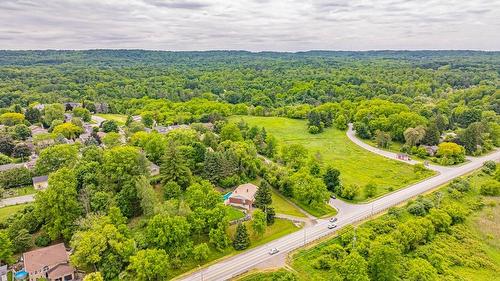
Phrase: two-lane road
(348, 214)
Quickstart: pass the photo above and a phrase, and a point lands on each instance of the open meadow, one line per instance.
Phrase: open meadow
(357, 166)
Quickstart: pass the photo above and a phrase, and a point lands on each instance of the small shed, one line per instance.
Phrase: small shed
(41, 182)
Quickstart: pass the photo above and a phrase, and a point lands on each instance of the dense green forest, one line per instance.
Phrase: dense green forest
(145, 185)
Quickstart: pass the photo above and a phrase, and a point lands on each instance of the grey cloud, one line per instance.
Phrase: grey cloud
(178, 4)
(286, 25)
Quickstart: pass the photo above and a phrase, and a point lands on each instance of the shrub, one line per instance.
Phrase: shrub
(350, 191)
(201, 251)
(460, 185)
(229, 181)
(370, 189)
(416, 209)
(4, 159)
(42, 240)
(490, 188)
(489, 167)
(419, 168)
(314, 129)
(15, 177)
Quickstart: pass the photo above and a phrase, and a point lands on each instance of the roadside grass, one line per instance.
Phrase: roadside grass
(319, 211)
(279, 229)
(268, 275)
(483, 224)
(486, 225)
(234, 214)
(19, 191)
(282, 206)
(119, 118)
(5, 212)
(357, 165)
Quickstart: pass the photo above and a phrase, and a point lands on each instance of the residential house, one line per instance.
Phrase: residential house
(164, 130)
(39, 106)
(154, 169)
(101, 107)
(51, 263)
(3, 272)
(37, 130)
(41, 182)
(71, 105)
(431, 149)
(243, 196)
(68, 117)
(137, 118)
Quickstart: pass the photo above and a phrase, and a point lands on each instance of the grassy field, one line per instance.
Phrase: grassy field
(278, 229)
(282, 206)
(5, 212)
(357, 166)
(119, 118)
(234, 213)
(319, 211)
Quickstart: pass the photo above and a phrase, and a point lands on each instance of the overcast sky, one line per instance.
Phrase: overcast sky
(254, 25)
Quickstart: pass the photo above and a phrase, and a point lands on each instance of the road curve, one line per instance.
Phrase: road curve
(348, 214)
(351, 134)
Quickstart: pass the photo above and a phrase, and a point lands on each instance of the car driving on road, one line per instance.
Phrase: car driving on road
(273, 251)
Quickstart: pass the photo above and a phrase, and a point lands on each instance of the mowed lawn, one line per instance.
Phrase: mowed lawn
(282, 206)
(5, 212)
(357, 166)
(119, 118)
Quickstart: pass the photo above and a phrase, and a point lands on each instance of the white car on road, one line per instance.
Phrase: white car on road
(273, 251)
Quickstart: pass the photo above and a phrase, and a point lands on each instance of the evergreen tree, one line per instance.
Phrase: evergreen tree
(270, 215)
(332, 179)
(174, 167)
(263, 197)
(432, 134)
(241, 239)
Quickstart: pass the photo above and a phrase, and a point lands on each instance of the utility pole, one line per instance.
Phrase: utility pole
(354, 239)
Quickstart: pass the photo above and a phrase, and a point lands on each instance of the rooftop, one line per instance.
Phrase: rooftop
(246, 191)
(40, 179)
(47, 256)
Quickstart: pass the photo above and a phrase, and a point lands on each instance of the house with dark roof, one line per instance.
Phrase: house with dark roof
(51, 263)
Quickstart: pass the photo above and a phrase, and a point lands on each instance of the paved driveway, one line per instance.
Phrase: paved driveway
(17, 200)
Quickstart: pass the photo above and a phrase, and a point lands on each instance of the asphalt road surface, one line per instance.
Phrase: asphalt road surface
(348, 214)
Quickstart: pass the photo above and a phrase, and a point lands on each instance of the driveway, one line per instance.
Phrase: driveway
(17, 200)
(351, 134)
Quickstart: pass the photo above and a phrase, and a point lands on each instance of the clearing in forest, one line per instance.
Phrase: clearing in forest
(357, 165)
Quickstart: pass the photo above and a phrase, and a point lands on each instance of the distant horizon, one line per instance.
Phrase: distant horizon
(256, 51)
